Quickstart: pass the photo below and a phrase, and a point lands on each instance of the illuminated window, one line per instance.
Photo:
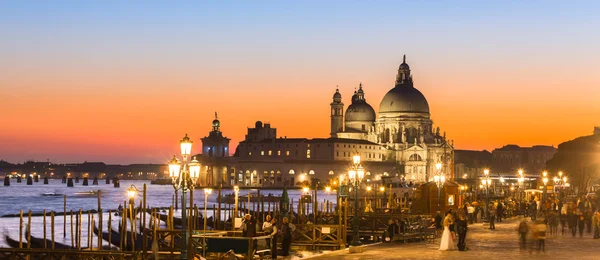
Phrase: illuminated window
(278, 153)
(292, 172)
(287, 153)
(368, 173)
(308, 154)
(331, 173)
(311, 172)
(249, 153)
(270, 152)
(262, 152)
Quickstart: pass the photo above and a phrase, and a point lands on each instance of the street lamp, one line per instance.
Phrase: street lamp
(184, 178)
(487, 182)
(236, 191)
(439, 180)
(520, 180)
(356, 175)
(207, 191)
(545, 181)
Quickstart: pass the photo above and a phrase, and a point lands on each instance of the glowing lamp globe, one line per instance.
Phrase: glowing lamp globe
(356, 159)
(194, 169)
(186, 145)
(174, 168)
(352, 174)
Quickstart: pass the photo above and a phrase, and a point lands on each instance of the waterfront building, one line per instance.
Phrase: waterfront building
(399, 140)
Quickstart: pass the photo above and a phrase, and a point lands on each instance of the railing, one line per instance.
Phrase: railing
(319, 236)
(21, 254)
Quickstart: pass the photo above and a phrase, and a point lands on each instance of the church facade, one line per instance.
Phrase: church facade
(403, 126)
(398, 140)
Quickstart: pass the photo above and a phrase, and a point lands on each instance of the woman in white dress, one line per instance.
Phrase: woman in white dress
(447, 243)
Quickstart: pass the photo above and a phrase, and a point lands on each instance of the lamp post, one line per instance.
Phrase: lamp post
(184, 178)
(520, 180)
(207, 191)
(439, 180)
(236, 191)
(545, 181)
(382, 189)
(356, 175)
(487, 182)
(131, 192)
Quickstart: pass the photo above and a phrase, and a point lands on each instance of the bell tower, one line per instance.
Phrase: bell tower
(337, 114)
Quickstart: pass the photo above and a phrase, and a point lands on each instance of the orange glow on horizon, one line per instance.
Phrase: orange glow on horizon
(142, 120)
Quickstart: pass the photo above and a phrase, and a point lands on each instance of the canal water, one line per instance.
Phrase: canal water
(19, 196)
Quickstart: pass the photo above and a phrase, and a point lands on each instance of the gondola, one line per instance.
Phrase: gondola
(39, 242)
(14, 243)
(115, 239)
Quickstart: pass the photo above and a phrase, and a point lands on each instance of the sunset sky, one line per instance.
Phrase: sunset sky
(123, 82)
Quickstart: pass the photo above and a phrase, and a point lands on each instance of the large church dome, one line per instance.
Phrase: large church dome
(404, 97)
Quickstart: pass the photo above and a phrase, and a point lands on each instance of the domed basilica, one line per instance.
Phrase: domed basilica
(403, 126)
(399, 140)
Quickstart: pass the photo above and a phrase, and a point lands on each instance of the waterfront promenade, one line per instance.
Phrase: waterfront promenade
(483, 244)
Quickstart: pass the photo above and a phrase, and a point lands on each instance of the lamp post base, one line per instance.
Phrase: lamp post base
(356, 249)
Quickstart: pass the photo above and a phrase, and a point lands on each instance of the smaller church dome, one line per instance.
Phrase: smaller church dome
(360, 112)
(216, 123)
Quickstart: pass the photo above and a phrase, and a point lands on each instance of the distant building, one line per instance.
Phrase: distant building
(215, 144)
(510, 158)
(470, 164)
(597, 130)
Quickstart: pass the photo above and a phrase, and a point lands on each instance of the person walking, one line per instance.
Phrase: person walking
(523, 230)
(492, 213)
(596, 224)
(581, 224)
(461, 229)
(573, 219)
(274, 236)
(552, 223)
(499, 211)
(540, 233)
(470, 213)
(286, 233)
(533, 208)
(563, 218)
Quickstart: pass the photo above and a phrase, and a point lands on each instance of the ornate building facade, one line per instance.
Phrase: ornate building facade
(399, 140)
(403, 127)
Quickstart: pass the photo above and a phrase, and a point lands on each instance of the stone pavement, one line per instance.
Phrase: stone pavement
(483, 243)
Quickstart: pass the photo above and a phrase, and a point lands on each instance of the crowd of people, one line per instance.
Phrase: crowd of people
(552, 216)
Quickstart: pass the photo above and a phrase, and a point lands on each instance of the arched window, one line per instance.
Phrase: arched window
(311, 172)
(292, 172)
(414, 157)
(331, 173)
(368, 173)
